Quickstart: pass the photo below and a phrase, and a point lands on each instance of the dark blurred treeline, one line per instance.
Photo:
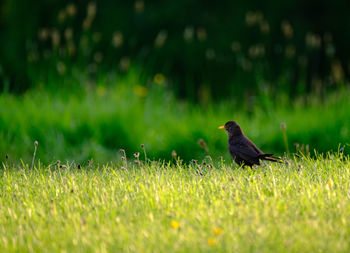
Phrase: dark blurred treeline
(204, 49)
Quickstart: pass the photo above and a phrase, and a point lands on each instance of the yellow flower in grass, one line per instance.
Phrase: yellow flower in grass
(159, 78)
(217, 231)
(330, 183)
(140, 91)
(175, 224)
(211, 241)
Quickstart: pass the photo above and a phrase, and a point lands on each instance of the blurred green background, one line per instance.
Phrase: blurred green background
(88, 78)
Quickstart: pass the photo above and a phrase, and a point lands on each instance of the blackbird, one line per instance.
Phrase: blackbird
(243, 150)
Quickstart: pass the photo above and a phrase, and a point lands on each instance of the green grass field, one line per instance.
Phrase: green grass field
(299, 206)
(96, 124)
(109, 116)
(95, 201)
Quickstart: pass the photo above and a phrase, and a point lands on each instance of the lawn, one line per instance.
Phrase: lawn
(96, 124)
(109, 116)
(301, 205)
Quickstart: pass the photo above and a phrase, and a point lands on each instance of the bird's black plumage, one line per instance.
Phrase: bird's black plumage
(243, 150)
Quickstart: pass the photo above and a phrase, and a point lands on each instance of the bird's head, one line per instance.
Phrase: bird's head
(232, 128)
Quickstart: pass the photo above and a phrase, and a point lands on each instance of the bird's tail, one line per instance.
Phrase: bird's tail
(270, 157)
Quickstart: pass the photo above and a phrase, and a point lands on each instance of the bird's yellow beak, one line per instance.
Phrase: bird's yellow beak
(221, 127)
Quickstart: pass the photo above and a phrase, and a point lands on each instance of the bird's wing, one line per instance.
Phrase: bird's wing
(249, 143)
(245, 152)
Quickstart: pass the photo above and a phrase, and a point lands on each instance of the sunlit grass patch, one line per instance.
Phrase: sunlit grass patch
(299, 206)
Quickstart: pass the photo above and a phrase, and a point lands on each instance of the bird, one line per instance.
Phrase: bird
(243, 151)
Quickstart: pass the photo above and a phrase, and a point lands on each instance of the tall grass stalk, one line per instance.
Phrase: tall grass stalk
(36, 143)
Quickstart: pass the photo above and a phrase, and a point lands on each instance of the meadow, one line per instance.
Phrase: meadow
(95, 124)
(128, 169)
(109, 115)
(300, 205)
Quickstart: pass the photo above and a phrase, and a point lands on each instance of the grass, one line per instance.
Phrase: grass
(94, 125)
(299, 206)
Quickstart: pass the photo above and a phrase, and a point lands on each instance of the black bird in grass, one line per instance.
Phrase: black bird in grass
(243, 150)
